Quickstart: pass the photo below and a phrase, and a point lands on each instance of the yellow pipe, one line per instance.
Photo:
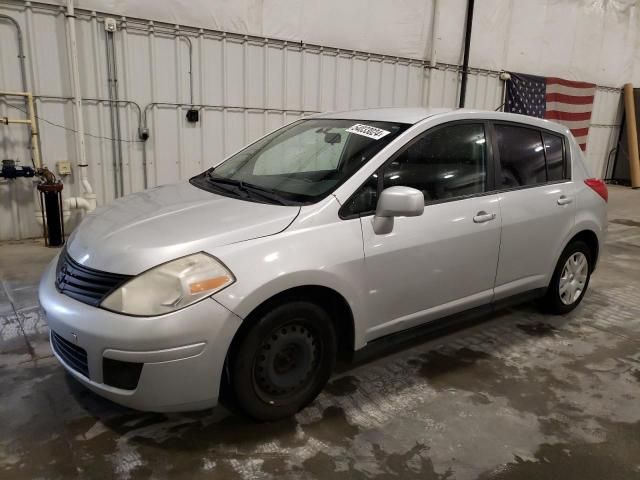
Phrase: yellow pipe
(25, 122)
(14, 94)
(37, 160)
(34, 132)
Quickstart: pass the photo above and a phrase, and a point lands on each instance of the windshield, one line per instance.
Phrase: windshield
(300, 163)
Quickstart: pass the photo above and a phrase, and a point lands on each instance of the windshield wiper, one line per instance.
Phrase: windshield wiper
(248, 189)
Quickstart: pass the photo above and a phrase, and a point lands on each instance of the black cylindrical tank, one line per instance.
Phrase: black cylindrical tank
(51, 201)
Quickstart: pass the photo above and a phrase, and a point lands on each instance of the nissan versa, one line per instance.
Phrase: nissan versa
(333, 233)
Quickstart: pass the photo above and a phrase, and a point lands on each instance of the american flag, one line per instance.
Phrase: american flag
(557, 99)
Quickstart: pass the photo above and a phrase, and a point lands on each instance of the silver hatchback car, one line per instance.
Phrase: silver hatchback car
(337, 232)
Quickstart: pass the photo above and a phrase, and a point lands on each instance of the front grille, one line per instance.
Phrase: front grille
(85, 284)
(119, 374)
(73, 355)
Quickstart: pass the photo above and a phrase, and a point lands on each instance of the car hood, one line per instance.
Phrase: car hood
(148, 228)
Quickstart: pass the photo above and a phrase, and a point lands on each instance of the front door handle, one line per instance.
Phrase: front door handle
(483, 216)
(564, 200)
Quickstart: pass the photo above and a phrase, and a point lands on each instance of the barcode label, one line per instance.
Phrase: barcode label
(368, 131)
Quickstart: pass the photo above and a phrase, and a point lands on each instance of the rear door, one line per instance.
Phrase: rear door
(537, 204)
(444, 261)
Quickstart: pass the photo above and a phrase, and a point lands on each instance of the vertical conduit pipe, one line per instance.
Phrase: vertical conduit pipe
(77, 99)
(265, 93)
(98, 85)
(434, 35)
(202, 99)
(245, 87)
(465, 58)
(112, 72)
(320, 78)
(112, 114)
(21, 56)
(285, 90)
(126, 87)
(223, 72)
(117, 112)
(179, 133)
(190, 45)
(23, 67)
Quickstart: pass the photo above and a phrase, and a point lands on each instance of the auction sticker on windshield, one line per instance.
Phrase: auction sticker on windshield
(367, 131)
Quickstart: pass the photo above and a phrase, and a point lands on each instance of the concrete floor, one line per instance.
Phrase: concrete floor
(520, 395)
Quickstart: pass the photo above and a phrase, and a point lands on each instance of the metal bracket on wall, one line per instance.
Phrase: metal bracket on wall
(110, 24)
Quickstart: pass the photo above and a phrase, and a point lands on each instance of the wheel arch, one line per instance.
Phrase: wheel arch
(327, 298)
(591, 239)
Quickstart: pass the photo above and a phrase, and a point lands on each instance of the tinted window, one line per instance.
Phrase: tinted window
(444, 163)
(555, 156)
(521, 156)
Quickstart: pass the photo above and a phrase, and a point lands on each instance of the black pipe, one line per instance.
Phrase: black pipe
(465, 60)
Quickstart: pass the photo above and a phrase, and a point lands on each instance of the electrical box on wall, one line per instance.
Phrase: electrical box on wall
(193, 115)
(63, 167)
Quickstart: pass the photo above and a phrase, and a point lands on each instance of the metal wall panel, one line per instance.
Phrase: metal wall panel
(242, 86)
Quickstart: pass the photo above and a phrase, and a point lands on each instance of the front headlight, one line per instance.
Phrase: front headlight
(170, 286)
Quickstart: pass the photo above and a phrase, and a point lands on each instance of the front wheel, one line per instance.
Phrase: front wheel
(284, 361)
(570, 279)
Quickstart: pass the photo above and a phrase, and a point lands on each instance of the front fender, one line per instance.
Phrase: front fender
(328, 255)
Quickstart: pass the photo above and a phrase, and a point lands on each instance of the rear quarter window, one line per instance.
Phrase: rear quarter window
(553, 146)
(522, 156)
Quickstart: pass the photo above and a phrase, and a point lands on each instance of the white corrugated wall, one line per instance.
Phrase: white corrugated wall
(243, 86)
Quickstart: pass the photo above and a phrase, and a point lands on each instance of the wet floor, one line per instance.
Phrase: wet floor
(520, 395)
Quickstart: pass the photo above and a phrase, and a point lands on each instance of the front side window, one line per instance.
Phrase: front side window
(522, 161)
(300, 163)
(444, 163)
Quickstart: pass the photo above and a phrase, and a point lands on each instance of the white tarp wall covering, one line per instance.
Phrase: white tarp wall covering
(279, 60)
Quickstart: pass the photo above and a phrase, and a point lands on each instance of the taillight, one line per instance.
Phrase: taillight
(599, 187)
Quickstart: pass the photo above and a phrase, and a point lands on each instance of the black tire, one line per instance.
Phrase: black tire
(284, 361)
(552, 301)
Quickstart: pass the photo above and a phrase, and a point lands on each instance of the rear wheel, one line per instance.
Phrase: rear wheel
(283, 361)
(570, 279)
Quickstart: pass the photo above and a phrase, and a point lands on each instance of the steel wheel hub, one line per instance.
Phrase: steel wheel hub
(573, 278)
(285, 362)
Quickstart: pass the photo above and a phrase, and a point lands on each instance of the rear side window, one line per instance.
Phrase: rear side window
(522, 160)
(555, 157)
(445, 163)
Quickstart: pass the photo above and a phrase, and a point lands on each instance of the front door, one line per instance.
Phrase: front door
(445, 260)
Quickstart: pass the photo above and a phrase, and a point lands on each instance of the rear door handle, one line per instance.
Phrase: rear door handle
(483, 216)
(564, 200)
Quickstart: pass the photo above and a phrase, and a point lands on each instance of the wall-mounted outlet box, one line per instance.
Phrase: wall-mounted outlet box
(63, 167)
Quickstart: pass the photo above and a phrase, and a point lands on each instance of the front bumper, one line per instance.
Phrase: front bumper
(182, 353)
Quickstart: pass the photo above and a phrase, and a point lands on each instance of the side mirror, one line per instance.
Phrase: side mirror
(396, 202)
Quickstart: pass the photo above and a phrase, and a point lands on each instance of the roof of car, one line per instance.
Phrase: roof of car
(391, 114)
(415, 115)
